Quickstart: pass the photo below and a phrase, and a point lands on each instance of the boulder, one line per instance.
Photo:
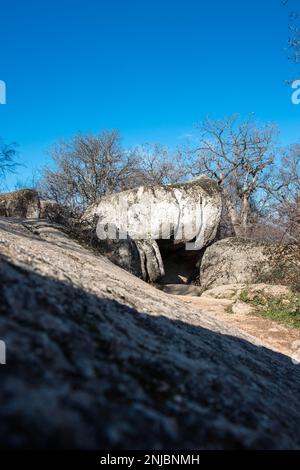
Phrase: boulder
(24, 203)
(98, 359)
(139, 257)
(180, 289)
(180, 215)
(233, 291)
(240, 261)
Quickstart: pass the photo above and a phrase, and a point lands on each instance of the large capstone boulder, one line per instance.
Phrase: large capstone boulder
(240, 261)
(159, 220)
(24, 203)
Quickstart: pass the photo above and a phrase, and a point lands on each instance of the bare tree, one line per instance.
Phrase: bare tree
(294, 37)
(8, 162)
(157, 164)
(239, 156)
(87, 167)
(285, 192)
(30, 182)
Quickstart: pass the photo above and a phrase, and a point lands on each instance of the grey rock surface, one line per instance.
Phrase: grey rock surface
(240, 261)
(96, 358)
(24, 203)
(180, 289)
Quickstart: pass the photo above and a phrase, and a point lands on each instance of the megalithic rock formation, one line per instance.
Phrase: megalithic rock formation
(158, 218)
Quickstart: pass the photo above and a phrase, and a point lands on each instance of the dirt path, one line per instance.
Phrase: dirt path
(276, 336)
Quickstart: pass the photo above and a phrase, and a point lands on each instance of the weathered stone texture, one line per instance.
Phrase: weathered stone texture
(96, 358)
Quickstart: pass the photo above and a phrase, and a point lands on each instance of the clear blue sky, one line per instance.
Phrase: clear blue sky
(150, 68)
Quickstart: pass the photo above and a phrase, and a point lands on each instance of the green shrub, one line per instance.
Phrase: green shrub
(283, 309)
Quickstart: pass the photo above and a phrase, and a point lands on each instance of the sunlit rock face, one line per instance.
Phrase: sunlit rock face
(160, 219)
(245, 261)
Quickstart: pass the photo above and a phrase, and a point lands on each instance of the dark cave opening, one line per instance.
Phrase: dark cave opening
(180, 265)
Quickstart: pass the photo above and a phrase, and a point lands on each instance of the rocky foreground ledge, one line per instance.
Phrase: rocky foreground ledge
(96, 358)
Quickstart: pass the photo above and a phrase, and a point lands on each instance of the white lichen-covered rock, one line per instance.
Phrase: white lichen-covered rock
(240, 261)
(183, 214)
(24, 203)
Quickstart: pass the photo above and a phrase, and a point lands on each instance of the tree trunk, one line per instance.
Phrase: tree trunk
(244, 214)
(235, 221)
